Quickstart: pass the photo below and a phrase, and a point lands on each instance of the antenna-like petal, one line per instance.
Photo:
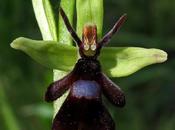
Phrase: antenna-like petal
(115, 29)
(69, 27)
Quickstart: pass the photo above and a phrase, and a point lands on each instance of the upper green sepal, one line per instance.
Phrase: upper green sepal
(89, 11)
(115, 61)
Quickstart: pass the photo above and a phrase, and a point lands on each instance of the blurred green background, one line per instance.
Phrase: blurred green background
(150, 92)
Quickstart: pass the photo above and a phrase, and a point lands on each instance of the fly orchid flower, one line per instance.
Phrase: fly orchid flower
(83, 108)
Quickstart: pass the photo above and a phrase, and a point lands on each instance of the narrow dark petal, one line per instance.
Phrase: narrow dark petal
(115, 29)
(113, 92)
(58, 88)
(69, 27)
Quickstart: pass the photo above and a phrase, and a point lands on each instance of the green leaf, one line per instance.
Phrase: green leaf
(45, 18)
(64, 36)
(115, 61)
(89, 11)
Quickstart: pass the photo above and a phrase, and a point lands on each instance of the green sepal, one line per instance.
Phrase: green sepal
(115, 61)
(89, 11)
(124, 61)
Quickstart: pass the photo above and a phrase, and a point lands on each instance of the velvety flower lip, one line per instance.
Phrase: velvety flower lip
(83, 108)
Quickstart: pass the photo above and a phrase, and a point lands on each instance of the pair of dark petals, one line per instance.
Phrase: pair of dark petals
(113, 93)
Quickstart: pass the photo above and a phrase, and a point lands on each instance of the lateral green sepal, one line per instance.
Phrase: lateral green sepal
(115, 61)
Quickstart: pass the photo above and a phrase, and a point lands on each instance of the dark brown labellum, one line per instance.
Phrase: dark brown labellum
(83, 109)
